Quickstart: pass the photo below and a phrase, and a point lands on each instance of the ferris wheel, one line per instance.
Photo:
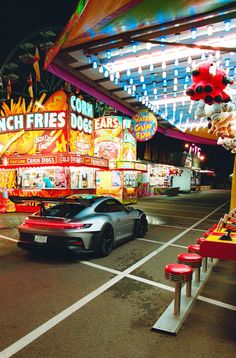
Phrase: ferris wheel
(18, 70)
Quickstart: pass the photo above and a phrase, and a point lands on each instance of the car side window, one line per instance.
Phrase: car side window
(101, 208)
(110, 206)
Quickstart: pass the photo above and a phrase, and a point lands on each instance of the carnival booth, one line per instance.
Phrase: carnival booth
(113, 141)
(47, 149)
(164, 179)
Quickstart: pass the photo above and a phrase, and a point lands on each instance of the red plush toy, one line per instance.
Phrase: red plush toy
(201, 83)
(209, 86)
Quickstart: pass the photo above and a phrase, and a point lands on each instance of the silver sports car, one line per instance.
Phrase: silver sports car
(81, 223)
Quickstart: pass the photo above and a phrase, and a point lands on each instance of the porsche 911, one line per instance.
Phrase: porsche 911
(79, 224)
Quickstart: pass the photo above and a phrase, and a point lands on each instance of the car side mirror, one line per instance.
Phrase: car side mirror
(130, 208)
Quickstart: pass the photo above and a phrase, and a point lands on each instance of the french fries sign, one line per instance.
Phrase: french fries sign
(47, 127)
(38, 128)
(33, 121)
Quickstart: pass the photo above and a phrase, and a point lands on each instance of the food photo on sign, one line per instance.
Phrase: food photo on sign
(108, 137)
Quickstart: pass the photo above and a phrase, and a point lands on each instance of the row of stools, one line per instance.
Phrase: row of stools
(182, 272)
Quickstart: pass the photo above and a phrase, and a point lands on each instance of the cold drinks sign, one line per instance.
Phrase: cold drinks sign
(143, 125)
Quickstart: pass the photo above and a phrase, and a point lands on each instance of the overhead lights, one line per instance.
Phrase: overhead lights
(134, 48)
(194, 34)
(227, 25)
(163, 65)
(227, 62)
(217, 55)
(95, 64)
(209, 30)
(148, 45)
(176, 62)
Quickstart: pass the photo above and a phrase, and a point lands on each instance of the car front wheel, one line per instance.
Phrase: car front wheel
(105, 241)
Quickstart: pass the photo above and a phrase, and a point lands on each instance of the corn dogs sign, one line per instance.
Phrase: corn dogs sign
(81, 126)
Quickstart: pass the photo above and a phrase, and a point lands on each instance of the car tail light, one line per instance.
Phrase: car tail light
(58, 225)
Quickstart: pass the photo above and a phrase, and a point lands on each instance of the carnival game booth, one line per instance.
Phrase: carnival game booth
(162, 179)
(121, 181)
(47, 148)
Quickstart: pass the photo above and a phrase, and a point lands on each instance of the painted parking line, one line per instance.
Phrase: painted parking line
(171, 209)
(177, 216)
(8, 238)
(179, 227)
(161, 242)
(160, 285)
(45, 327)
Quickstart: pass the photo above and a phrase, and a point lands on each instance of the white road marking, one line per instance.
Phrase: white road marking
(8, 238)
(36, 333)
(160, 285)
(177, 216)
(161, 242)
(180, 227)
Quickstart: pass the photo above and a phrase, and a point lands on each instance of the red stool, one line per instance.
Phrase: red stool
(204, 266)
(195, 248)
(200, 240)
(193, 260)
(179, 274)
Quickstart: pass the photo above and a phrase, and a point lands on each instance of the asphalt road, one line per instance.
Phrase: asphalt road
(103, 308)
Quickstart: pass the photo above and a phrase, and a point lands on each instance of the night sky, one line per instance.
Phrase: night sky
(20, 19)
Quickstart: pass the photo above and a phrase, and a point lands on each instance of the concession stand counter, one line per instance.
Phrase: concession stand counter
(51, 176)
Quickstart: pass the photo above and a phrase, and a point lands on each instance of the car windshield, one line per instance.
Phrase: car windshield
(61, 210)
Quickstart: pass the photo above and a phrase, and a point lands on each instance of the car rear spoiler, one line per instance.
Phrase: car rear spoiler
(41, 200)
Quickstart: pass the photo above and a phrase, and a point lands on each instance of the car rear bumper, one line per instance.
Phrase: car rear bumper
(77, 244)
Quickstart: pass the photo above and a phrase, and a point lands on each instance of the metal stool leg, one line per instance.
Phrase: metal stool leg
(177, 298)
(204, 264)
(189, 288)
(197, 274)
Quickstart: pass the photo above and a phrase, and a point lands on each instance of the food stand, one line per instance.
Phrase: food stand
(114, 142)
(47, 149)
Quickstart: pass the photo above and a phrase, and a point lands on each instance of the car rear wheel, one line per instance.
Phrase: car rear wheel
(141, 227)
(105, 241)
